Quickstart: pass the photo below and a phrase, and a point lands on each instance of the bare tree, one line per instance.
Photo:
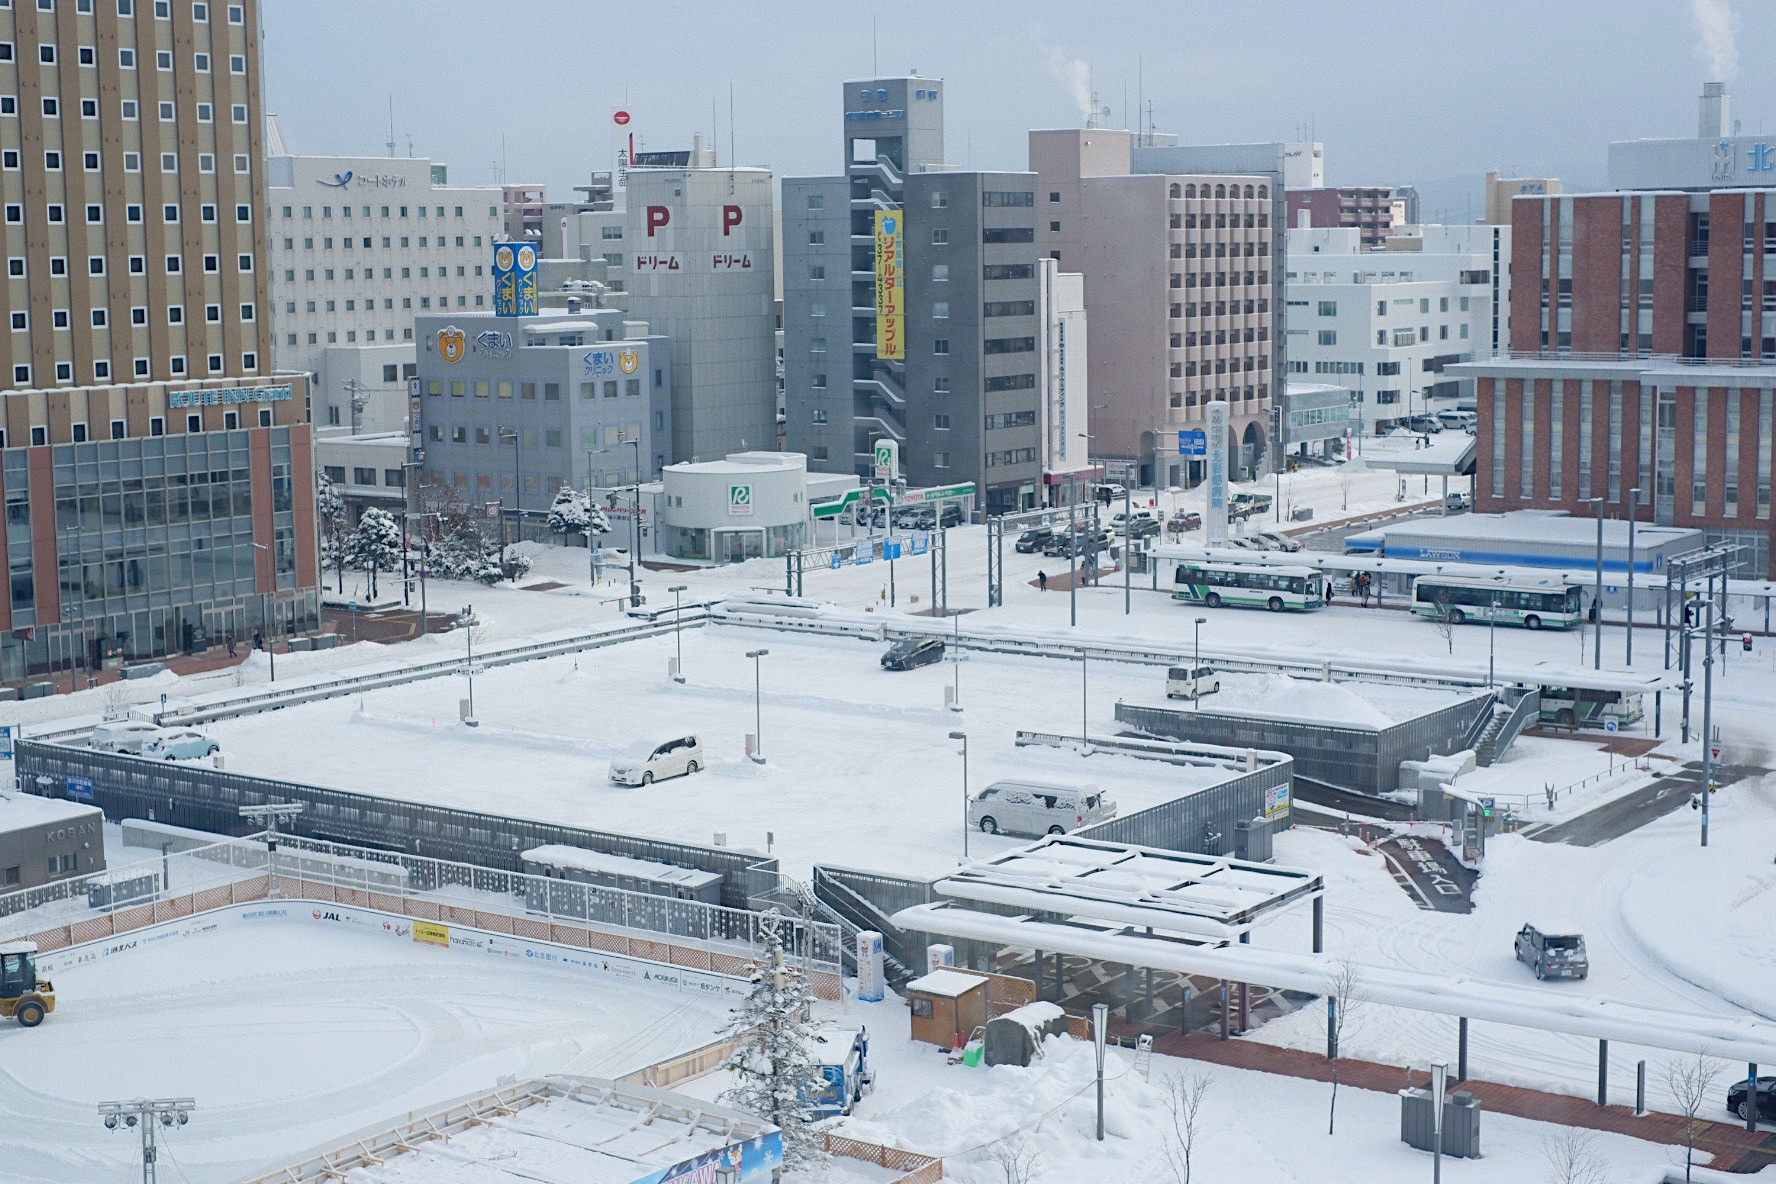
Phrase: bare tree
(1445, 621)
(1690, 1081)
(1345, 476)
(1572, 1157)
(1344, 999)
(1018, 1158)
(1183, 1100)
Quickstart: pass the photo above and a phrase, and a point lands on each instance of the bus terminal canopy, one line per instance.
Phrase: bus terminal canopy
(1450, 454)
(1207, 897)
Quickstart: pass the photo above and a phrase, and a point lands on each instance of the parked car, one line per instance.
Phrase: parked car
(1109, 493)
(675, 758)
(1423, 425)
(123, 735)
(1034, 540)
(1185, 520)
(1236, 542)
(1276, 542)
(911, 652)
(1037, 808)
(915, 518)
(1737, 1102)
(1065, 543)
(1191, 682)
(1245, 505)
(1141, 528)
(1457, 420)
(1552, 954)
(1119, 522)
(951, 515)
(179, 744)
(1455, 503)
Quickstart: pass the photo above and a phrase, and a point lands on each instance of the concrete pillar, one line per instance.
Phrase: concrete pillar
(1319, 924)
(1461, 1051)
(1603, 1072)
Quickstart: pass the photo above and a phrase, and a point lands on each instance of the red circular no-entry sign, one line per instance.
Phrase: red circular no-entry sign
(620, 118)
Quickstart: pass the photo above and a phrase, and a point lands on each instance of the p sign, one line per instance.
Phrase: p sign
(739, 500)
(657, 217)
(731, 217)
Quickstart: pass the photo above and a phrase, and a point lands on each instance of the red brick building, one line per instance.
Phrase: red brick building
(1643, 355)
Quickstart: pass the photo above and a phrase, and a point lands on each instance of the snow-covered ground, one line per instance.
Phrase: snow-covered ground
(290, 1034)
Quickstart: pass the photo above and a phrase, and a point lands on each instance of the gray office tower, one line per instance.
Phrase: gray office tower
(963, 401)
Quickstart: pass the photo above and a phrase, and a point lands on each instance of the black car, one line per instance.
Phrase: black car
(1140, 528)
(910, 652)
(950, 515)
(1766, 1099)
(1032, 541)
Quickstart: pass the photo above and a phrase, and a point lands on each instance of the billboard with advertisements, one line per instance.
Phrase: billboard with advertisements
(514, 280)
(890, 289)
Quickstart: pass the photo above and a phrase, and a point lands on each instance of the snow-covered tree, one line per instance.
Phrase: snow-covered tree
(453, 541)
(573, 513)
(775, 1067)
(375, 545)
(330, 510)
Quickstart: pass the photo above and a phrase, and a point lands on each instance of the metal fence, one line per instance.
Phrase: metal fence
(868, 899)
(203, 798)
(1208, 821)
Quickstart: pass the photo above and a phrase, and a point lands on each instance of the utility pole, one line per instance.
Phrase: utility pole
(1707, 718)
(1633, 517)
(271, 814)
(142, 1114)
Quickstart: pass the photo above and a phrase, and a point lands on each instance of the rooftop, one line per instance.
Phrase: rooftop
(24, 809)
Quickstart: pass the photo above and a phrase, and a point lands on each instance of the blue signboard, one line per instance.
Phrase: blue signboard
(919, 544)
(1193, 442)
(891, 549)
(514, 280)
(80, 788)
(5, 742)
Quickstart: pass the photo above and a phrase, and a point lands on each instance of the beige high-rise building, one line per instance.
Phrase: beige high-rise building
(1501, 190)
(130, 172)
(1178, 288)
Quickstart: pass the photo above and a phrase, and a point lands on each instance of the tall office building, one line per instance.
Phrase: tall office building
(957, 383)
(360, 246)
(1179, 280)
(168, 497)
(1643, 355)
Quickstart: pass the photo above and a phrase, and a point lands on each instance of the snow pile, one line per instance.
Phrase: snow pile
(1279, 696)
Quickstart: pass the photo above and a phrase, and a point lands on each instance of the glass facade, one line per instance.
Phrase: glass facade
(154, 550)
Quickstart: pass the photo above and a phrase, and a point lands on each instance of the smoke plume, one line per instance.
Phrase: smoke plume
(1071, 73)
(1717, 27)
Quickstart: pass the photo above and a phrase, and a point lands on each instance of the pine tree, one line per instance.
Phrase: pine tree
(567, 515)
(774, 1064)
(330, 509)
(375, 545)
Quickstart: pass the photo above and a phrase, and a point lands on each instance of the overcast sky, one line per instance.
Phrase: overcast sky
(1401, 91)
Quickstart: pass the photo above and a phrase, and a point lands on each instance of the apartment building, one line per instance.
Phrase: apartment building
(1180, 286)
(1367, 209)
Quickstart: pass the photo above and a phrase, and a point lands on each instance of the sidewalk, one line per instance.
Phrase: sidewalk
(1734, 1149)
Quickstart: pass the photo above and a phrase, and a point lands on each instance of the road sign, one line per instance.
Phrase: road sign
(620, 118)
(1609, 725)
(353, 606)
(838, 561)
(1486, 803)
(1193, 442)
(1716, 751)
(891, 549)
(5, 742)
(80, 788)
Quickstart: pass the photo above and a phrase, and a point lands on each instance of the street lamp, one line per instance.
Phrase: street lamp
(1196, 674)
(963, 736)
(677, 636)
(1492, 621)
(1633, 516)
(265, 624)
(758, 755)
(634, 522)
(1597, 594)
(407, 516)
(70, 535)
(510, 435)
(141, 1114)
(1439, 1083)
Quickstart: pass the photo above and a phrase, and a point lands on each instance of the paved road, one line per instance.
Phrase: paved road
(1614, 819)
(1430, 874)
(1335, 804)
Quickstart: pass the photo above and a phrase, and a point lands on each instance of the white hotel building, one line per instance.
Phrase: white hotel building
(1387, 324)
(359, 246)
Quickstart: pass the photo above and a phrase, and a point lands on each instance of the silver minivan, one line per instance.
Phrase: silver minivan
(1037, 808)
(124, 735)
(675, 758)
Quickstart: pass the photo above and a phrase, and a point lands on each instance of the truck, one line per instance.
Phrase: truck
(1246, 505)
(845, 1074)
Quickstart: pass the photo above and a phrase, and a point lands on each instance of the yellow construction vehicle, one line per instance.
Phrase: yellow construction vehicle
(23, 996)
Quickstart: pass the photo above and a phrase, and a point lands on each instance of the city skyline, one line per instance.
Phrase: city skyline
(1390, 110)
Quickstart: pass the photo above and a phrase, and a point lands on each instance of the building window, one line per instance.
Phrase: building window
(940, 309)
(1328, 337)
(940, 237)
(940, 345)
(940, 460)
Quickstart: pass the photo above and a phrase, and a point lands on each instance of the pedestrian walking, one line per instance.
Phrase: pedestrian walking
(258, 640)
(228, 640)
(1042, 581)
(1363, 588)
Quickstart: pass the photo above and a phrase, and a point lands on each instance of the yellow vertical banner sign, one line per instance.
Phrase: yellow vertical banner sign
(890, 291)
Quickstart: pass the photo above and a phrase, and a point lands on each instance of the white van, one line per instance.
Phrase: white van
(1037, 808)
(672, 759)
(1457, 421)
(1191, 682)
(1120, 522)
(123, 735)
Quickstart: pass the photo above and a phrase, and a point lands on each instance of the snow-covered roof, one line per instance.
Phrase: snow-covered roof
(951, 984)
(27, 809)
(562, 856)
(1206, 896)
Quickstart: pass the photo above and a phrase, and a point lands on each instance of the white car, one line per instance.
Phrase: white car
(675, 758)
(1276, 542)
(180, 743)
(123, 735)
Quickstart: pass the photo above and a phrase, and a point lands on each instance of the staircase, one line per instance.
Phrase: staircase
(1516, 712)
(798, 898)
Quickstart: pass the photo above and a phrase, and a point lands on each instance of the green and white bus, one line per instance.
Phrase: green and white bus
(1574, 707)
(1249, 585)
(1533, 604)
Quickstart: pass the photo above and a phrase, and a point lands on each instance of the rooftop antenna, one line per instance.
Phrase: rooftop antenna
(874, 68)
(732, 159)
(409, 143)
(391, 139)
(1140, 96)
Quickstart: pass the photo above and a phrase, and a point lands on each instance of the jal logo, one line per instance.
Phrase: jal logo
(317, 914)
(451, 344)
(320, 916)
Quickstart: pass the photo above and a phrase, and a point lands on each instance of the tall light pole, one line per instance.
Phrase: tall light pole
(963, 736)
(407, 529)
(511, 435)
(271, 814)
(1707, 715)
(468, 621)
(678, 662)
(1439, 1083)
(758, 719)
(1196, 674)
(1633, 517)
(1492, 622)
(634, 522)
(1073, 547)
(141, 1114)
(265, 619)
(1597, 593)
